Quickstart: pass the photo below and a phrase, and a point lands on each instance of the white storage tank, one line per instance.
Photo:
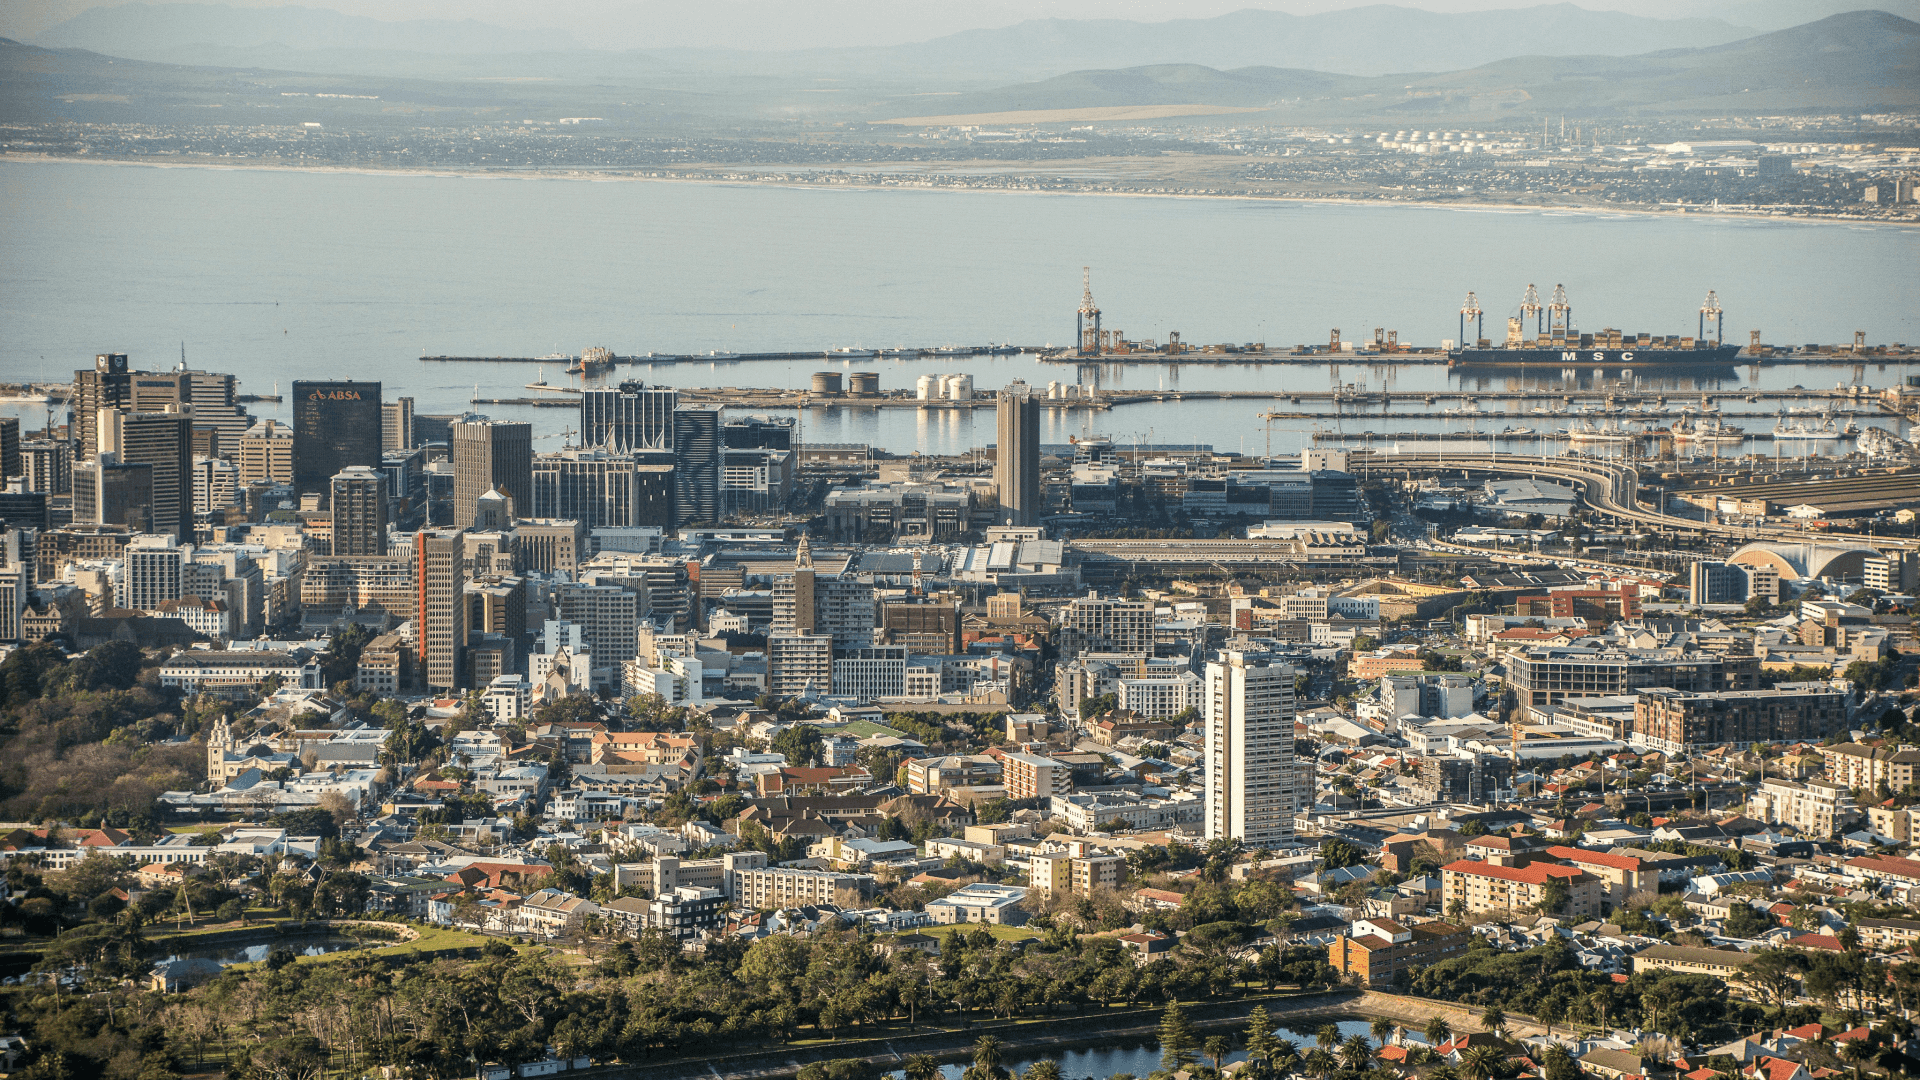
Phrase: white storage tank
(960, 388)
(923, 387)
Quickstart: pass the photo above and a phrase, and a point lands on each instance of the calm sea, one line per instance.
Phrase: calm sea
(278, 275)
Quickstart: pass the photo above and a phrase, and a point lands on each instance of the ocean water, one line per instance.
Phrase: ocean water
(279, 275)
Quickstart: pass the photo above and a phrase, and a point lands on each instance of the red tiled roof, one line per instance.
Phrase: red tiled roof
(1816, 941)
(1531, 874)
(1886, 864)
(1806, 1031)
(1594, 858)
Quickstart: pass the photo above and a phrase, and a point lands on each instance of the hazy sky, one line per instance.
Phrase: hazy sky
(761, 24)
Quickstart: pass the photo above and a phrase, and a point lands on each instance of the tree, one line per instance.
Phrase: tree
(1494, 1020)
(1044, 1069)
(1356, 1052)
(1553, 897)
(1560, 1065)
(1479, 1062)
(987, 1054)
(1259, 1038)
(1177, 1039)
(1285, 1057)
(1217, 1048)
(1858, 1052)
(1337, 853)
(1437, 1030)
(1318, 1062)
(1327, 1037)
(921, 1067)
(800, 743)
(1381, 1028)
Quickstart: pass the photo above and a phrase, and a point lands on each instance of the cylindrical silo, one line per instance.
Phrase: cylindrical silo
(960, 388)
(826, 383)
(923, 387)
(864, 384)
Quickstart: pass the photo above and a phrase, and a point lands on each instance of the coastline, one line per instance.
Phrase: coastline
(591, 176)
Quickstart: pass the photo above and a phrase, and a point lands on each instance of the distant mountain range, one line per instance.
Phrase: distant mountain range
(1372, 40)
(1860, 59)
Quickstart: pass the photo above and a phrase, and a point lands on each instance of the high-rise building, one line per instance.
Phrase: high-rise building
(266, 453)
(164, 441)
(1252, 786)
(440, 578)
(1109, 624)
(24, 510)
(396, 425)
(9, 448)
(799, 664)
(359, 505)
(215, 487)
(335, 424)
(152, 573)
(628, 419)
(47, 465)
(108, 491)
(696, 466)
(1016, 456)
(758, 433)
(489, 454)
(600, 489)
(109, 385)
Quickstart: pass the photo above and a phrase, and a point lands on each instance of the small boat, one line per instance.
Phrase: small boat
(851, 354)
(720, 356)
(1585, 433)
(560, 356)
(1802, 431)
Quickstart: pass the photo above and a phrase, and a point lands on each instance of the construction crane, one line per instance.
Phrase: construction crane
(1530, 304)
(1710, 312)
(1559, 313)
(1089, 336)
(1471, 310)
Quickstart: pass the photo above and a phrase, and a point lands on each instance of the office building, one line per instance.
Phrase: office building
(489, 454)
(1678, 722)
(108, 491)
(367, 587)
(359, 507)
(601, 489)
(164, 441)
(24, 510)
(696, 466)
(335, 425)
(630, 418)
(152, 572)
(441, 628)
(1016, 456)
(396, 425)
(1252, 788)
(1106, 625)
(799, 664)
(1546, 676)
(266, 453)
(758, 433)
(608, 617)
(1379, 950)
(215, 488)
(874, 674)
(548, 545)
(754, 481)
(1441, 696)
(9, 448)
(47, 465)
(108, 385)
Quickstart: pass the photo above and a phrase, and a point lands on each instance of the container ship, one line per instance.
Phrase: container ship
(1556, 343)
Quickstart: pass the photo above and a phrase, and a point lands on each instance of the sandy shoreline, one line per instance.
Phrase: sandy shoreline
(611, 177)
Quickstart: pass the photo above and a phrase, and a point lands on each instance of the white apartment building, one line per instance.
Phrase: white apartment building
(1251, 790)
(1161, 696)
(871, 674)
(152, 572)
(1818, 808)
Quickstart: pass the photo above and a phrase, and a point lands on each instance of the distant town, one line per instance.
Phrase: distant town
(1862, 166)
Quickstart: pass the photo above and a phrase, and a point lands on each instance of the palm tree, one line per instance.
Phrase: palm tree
(1381, 1028)
(1318, 1062)
(1478, 1062)
(1494, 1020)
(1328, 1036)
(1356, 1052)
(1437, 1030)
(920, 1067)
(986, 1054)
(1858, 1052)
(1284, 1058)
(1217, 1047)
(1044, 1069)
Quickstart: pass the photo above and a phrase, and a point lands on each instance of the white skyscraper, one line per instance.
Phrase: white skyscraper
(1252, 782)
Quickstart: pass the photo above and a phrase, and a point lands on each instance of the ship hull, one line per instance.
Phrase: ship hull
(1594, 356)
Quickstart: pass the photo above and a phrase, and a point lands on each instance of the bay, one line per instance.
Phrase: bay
(277, 275)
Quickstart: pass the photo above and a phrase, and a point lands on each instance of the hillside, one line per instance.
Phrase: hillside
(1862, 59)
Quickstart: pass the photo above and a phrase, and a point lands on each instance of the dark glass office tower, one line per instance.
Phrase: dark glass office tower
(335, 425)
(108, 386)
(696, 466)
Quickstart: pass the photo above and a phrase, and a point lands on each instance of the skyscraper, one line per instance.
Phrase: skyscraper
(488, 454)
(47, 465)
(628, 419)
(266, 453)
(10, 447)
(108, 491)
(440, 577)
(335, 424)
(696, 466)
(1252, 784)
(359, 503)
(396, 424)
(164, 441)
(1016, 456)
(109, 385)
(597, 488)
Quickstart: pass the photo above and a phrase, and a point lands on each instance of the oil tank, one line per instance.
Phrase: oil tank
(864, 384)
(960, 388)
(826, 383)
(924, 387)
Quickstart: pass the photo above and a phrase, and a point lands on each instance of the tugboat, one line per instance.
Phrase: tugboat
(1556, 343)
